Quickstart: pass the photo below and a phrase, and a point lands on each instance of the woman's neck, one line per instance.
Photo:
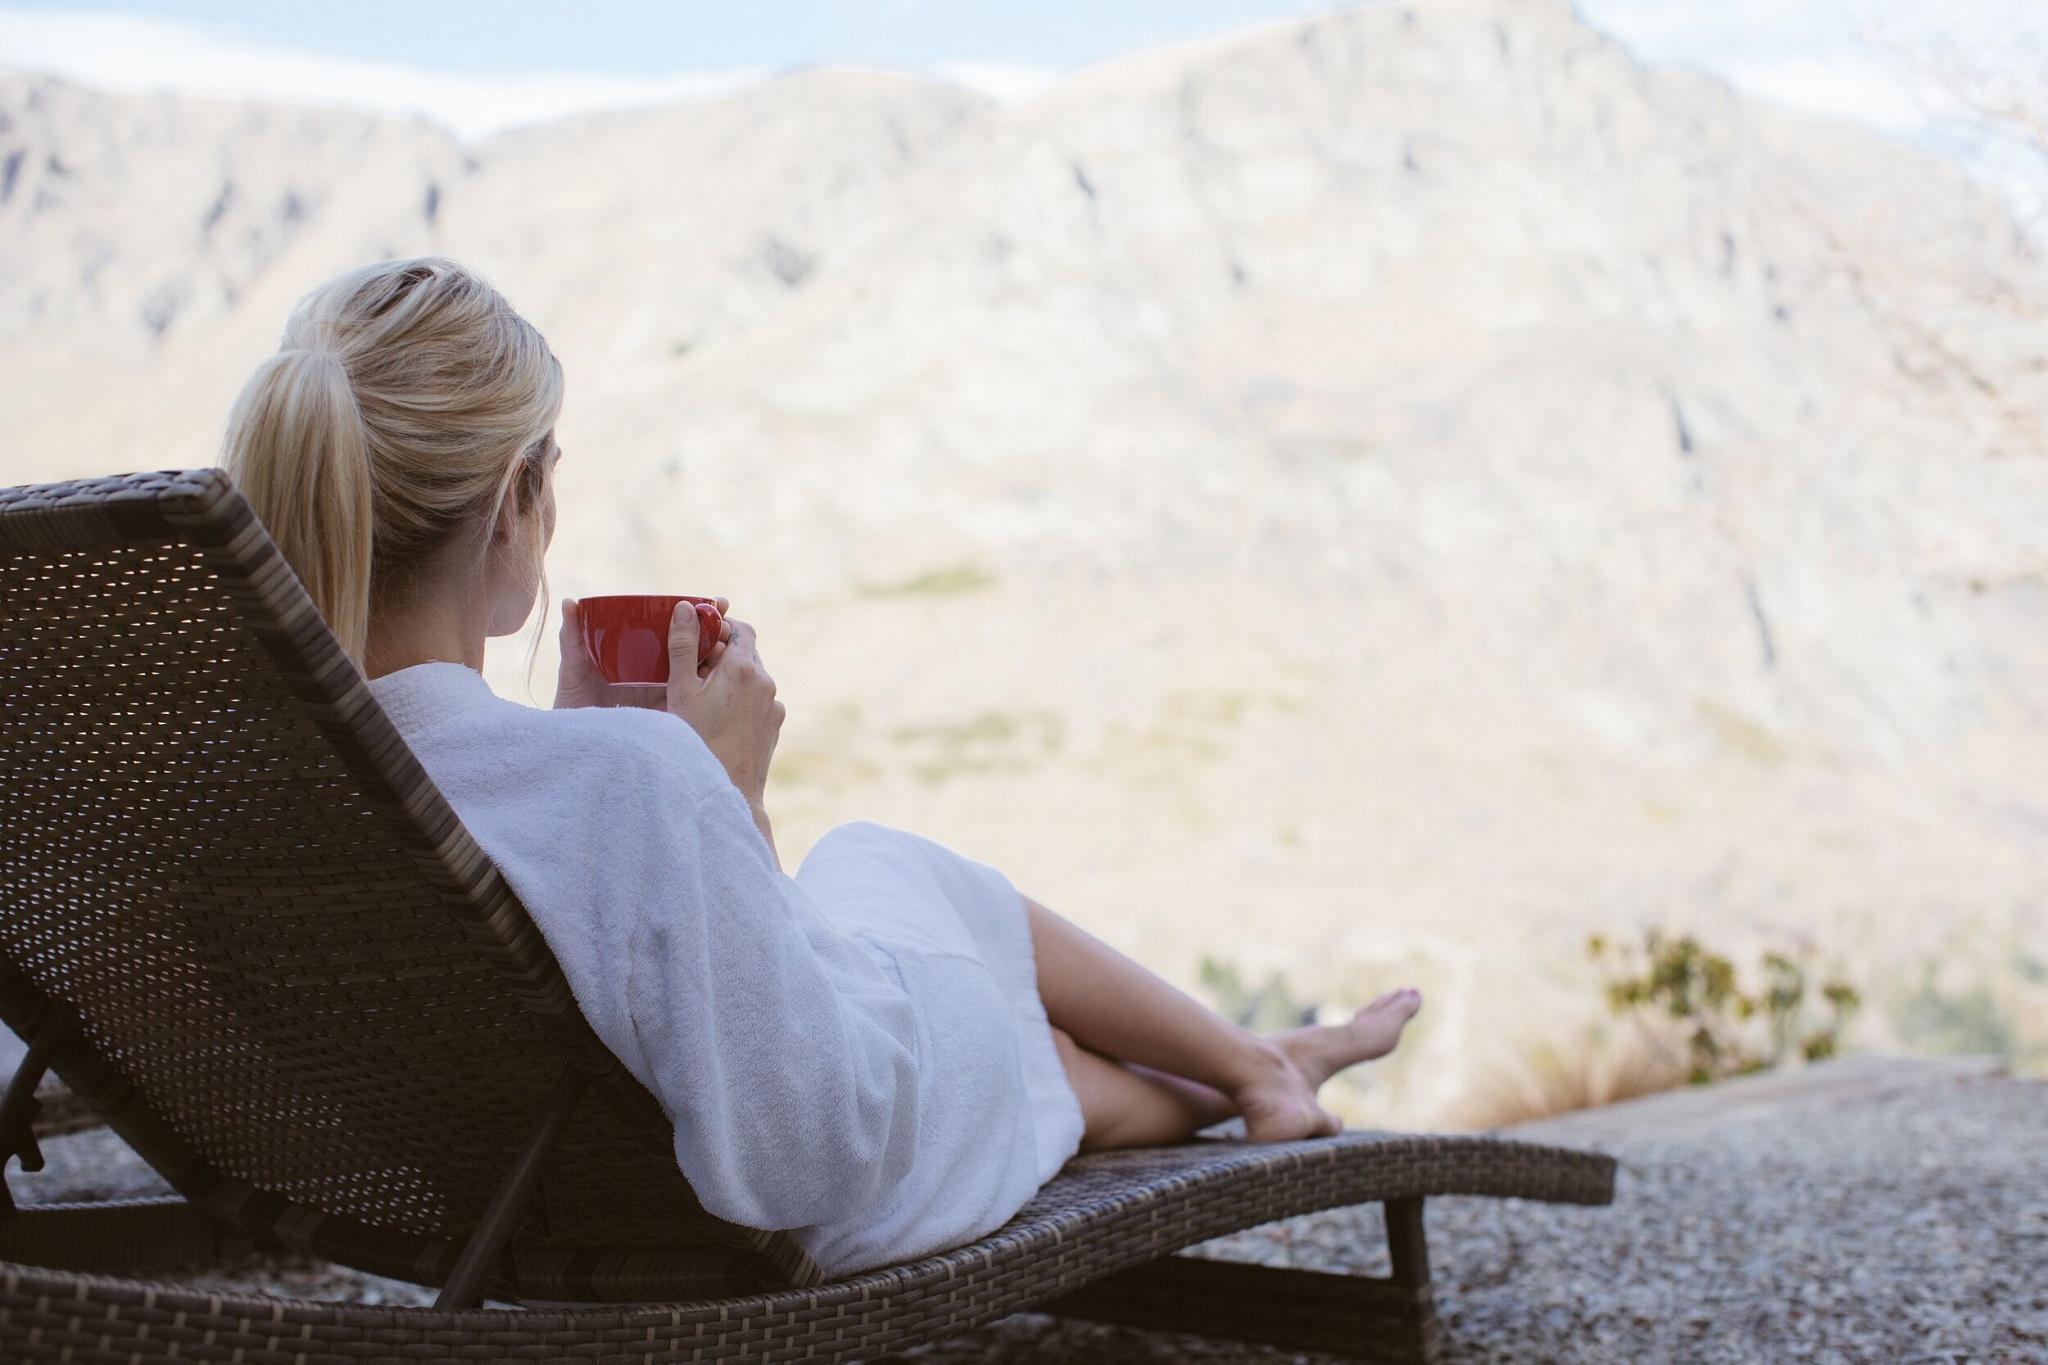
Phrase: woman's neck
(434, 624)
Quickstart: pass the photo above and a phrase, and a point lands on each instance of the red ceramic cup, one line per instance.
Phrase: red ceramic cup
(628, 636)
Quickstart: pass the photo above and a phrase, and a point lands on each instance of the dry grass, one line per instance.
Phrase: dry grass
(1599, 1064)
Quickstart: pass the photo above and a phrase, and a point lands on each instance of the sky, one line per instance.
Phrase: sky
(478, 66)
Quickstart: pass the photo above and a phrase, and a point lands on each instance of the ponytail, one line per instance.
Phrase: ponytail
(297, 448)
(407, 401)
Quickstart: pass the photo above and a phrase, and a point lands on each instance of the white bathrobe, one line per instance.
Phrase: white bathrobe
(857, 1054)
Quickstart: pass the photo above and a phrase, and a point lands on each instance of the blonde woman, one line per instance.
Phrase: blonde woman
(887, 1053)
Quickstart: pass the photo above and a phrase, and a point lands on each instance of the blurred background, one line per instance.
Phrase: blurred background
(1327, 497)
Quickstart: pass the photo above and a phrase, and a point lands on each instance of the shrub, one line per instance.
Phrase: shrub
(1262, 1009)
(1687, 997)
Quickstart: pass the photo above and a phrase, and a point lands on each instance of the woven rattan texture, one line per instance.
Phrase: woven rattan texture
(1104, 1212)
(295, 984)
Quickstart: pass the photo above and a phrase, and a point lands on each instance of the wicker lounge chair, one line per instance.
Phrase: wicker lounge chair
(238, 920)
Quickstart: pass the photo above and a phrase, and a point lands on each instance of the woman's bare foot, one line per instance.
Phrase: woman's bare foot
(1281, 1104)
(1322, 1050)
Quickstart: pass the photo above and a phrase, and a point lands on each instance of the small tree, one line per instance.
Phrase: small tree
(1982, 68)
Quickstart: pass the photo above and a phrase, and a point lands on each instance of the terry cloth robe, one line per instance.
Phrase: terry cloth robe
(856, 1054)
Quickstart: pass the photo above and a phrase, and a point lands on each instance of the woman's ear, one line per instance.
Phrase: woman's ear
(519, 503)
(510, 531)
(513, 508)
(505, 527)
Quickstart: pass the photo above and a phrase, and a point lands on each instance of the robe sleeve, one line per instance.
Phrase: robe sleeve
(786, 1053)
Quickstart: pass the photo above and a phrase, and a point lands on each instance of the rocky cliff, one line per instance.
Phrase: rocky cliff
(1377, 495)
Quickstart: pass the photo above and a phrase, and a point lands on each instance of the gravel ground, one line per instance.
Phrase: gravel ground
(1907, 1228)
(1902, 1226)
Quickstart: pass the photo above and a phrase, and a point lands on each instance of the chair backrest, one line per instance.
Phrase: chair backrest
(267, 949)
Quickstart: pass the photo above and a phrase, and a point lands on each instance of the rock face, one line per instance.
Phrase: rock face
(1374, 496)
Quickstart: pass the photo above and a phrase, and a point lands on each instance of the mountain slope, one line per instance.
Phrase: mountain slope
(1411, 477)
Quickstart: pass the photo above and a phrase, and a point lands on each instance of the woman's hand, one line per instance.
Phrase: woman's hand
(727, 697)
(580, 684)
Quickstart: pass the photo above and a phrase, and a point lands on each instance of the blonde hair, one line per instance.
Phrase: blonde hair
(405, 396)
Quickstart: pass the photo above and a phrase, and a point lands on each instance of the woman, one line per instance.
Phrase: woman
(888, 1053)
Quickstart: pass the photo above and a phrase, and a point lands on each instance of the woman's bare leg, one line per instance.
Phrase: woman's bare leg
(1113, 1006)
(1130, 1106)
(1186, 1065)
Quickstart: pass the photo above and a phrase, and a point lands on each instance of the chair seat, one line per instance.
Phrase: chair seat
(1105, 1212)
(240, 922)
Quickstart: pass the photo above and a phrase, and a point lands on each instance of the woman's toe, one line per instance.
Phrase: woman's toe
(1403, 1002)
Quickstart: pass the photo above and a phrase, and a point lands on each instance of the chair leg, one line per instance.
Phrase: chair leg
(1364, 1317)
(1408, 1250)
(18, 1110)
(476, 1267)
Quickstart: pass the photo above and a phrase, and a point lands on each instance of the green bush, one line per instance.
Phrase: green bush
(1262, 1009)
(1676, 989)
(1933, 1020)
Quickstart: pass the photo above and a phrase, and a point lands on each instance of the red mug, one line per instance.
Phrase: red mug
(627, 637)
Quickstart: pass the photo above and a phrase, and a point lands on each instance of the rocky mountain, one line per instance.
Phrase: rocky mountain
(1412, 477)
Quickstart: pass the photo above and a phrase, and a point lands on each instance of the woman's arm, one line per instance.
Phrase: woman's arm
(580, 686)
(760, 814)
